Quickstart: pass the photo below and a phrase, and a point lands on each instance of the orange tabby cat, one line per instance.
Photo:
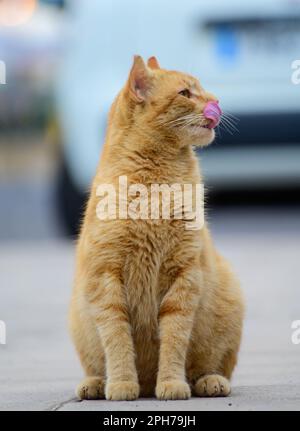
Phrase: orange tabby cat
(155, 309)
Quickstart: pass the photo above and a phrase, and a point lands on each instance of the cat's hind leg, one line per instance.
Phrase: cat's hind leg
(214, 348)
(212, 385)
(91, 388)
(217, 385)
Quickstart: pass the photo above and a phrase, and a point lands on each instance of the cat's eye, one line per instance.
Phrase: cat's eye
(185, 93)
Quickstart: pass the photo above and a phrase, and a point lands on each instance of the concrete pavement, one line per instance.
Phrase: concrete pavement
(39, 369)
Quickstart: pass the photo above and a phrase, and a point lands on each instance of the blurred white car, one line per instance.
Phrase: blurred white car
(241, 51)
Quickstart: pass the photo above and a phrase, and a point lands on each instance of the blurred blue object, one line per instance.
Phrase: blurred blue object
(227, 46)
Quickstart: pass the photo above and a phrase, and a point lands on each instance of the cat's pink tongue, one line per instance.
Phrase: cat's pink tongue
(212, 112)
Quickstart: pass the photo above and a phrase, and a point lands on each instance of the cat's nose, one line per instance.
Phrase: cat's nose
(212, 112)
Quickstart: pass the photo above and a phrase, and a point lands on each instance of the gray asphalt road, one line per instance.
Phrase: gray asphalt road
(38, 367)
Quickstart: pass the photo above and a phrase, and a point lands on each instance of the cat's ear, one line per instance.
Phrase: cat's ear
(139, 79)
(153, 63)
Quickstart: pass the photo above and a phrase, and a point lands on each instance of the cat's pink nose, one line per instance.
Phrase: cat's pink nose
(212, 112)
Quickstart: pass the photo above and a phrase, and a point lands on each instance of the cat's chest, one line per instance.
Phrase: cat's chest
(150, 245)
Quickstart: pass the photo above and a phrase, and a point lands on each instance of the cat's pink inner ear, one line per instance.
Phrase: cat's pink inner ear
(153, 63)
(139, 79)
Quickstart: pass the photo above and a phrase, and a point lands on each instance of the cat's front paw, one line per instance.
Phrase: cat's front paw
(91, 388)
(212, 386)
(172, 390)
(122, 391)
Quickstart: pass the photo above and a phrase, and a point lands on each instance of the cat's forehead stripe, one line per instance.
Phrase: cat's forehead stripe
(193, 85)
(194, 88)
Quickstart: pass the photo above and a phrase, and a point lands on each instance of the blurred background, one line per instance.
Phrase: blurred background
(66, 60)
(61, 65)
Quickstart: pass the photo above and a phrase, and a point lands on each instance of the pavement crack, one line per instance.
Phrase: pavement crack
(58, 406)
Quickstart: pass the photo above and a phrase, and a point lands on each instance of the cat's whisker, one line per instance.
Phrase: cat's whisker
(233, 117)
(228, 120)
(184, 126)
(184, 120)
(221, 126)
(226, 127)
(178, 121)
(199, 119)
(218, 133)
(183, 117)
(233, 122)
(229, 124)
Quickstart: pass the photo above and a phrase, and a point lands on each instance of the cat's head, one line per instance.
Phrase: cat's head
(171, 103)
